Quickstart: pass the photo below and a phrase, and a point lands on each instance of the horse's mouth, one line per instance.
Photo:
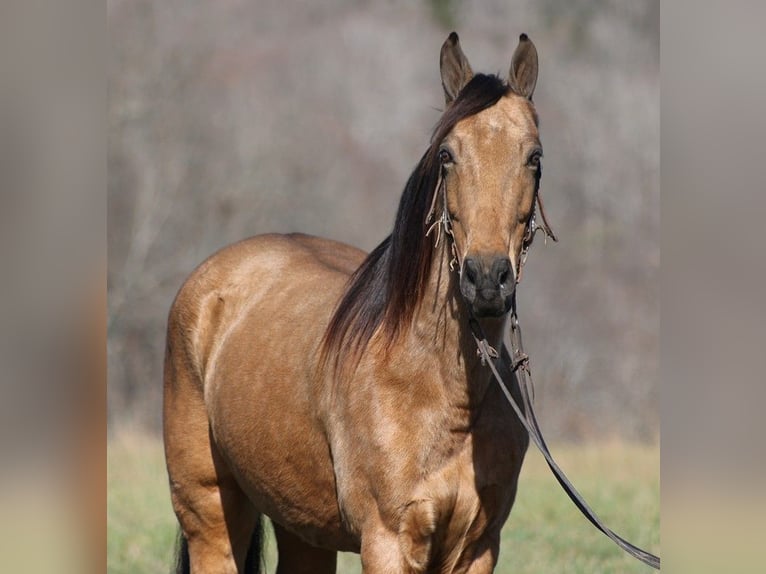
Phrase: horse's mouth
(487, 302)
(493, 306)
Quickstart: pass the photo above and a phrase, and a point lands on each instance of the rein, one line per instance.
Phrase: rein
(518, 363)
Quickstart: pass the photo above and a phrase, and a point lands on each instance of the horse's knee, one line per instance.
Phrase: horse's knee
(409, 550)
(416, 532)
(381, 552)
(209, 555)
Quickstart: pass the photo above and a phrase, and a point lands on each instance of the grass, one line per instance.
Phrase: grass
(545, 532)
(141, 526)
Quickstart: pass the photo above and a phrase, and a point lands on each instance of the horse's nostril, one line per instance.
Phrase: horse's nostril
(471, 270)
(493, 273)
(501, 271)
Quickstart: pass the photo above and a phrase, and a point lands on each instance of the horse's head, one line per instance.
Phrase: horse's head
(490, 164)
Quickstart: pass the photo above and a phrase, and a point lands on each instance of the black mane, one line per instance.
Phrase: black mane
(388, 286)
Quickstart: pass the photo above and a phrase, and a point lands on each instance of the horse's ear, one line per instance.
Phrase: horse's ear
(454, 67)
(523, 74)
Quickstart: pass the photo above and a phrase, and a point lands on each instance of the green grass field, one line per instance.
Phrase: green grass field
(545, 532)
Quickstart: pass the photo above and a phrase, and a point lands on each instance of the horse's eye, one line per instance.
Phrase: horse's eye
(534, 159)
(445, 157)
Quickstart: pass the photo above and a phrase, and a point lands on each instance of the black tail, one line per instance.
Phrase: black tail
(182, 555)
(253, 561)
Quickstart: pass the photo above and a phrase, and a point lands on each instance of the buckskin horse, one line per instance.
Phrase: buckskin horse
(341, 394)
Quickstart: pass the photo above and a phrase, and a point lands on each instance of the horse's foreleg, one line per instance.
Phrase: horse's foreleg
(411, 551)
(299, 557)
(381, 552)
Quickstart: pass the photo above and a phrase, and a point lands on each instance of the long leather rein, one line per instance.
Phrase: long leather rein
(518, 363)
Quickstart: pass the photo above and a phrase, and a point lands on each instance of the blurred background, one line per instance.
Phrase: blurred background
(232, 118)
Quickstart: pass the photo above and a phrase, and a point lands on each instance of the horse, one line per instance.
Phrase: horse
(340, 393)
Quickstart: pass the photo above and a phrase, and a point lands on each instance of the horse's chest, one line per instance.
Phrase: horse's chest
(438, 489)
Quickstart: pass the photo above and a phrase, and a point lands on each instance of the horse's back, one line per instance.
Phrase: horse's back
(264, 268)
(255, 263)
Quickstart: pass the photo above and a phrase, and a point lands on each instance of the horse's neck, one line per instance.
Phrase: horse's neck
(441, 324)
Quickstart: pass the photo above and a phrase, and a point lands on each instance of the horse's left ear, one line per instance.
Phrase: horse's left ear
(455, 70)
(523, 74)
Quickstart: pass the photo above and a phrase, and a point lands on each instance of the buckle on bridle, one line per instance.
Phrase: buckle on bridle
(532, 229)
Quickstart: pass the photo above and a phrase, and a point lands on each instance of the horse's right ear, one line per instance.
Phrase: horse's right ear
(455, 70)
(523, 73)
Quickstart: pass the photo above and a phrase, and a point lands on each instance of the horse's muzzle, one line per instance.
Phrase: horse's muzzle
(487, 284)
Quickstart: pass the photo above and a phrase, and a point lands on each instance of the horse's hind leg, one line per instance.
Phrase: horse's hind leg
(216, 517)
(299, 557)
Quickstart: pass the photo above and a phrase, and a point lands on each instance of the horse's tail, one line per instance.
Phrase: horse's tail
(253, 561)
(182, 554)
